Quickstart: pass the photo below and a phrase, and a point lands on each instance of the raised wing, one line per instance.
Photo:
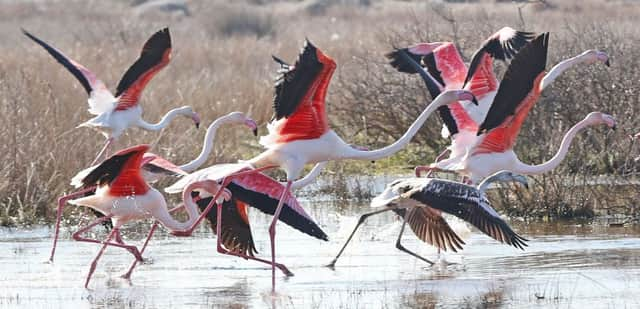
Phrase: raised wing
(300, 92)
(502, 45)
(466, 203)
(518, 92)
(430, 227)
(121, 172)
(454, 116)
(100, 99)
(236, 231)
(155, 55)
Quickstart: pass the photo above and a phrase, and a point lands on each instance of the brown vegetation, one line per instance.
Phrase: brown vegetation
(221, 62)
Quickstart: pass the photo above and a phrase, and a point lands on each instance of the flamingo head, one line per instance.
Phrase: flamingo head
(596, 55)
(465, 95)
(595, 118)
(188, 111)
(242, 118)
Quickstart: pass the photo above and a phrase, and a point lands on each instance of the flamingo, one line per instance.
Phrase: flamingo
(123, 195)
(156, 167)
(247, 188)
(114, 114)
(421, 202)
(447, 71)
(491, 150)
(299, 132)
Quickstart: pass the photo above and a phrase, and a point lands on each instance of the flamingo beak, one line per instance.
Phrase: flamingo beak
(196, 120)
(607, 63)
(252, 125)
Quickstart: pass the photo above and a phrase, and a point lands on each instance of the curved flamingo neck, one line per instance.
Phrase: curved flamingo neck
(207, 146)
(351, 153)
(172, 224)
(166, 119)
(557, 158)
(559, 68)
(309, 178)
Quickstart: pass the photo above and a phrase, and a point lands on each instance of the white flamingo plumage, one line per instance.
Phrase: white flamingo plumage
(446, 69)
(421, 202)
(115, 113)
(121, 194)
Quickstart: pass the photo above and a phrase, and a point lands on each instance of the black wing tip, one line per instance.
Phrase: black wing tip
(400, 62)
(281, 62)
(160, 39)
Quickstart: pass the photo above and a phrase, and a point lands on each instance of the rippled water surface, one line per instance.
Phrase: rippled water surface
(567, 265)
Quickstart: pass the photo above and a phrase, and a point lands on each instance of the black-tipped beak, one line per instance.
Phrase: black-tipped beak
(614, 127)
(526, 185)
(607, 63)
(197, 125)
(255, 132)
(475, 101)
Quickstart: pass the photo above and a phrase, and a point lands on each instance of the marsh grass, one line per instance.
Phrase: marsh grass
(221, 63)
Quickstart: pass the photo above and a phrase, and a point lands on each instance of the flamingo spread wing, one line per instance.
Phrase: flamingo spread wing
(155, 55)
(100, 99)
(430, 227)
(502, 45)
(256, 190)
(518, 92)
(121, 172)
(299, 100)
(468, 204)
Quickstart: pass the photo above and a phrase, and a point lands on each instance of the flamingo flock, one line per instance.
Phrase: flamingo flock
(481, 115)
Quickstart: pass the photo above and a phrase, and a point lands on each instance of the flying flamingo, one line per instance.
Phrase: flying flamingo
(114, 114)
(492, 149)
(447, 71)
(123, 195)
(421, 201)
(299, 132)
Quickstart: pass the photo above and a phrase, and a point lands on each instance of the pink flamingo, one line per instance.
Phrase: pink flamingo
(247, 188)
(114, 114)
(154, 167)
(299, 133)
(446, 70)
(123, 195)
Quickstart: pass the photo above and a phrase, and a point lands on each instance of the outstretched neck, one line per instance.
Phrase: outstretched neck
(207, 146)
(166, 119)
(558, 69)
(352, 153)
(557, 158)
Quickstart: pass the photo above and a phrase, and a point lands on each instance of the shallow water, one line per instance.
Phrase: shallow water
(567, 265)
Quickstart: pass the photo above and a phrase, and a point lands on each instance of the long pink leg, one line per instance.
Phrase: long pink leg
(222, 250)
(272, 234)
(95, 260)
(127, 275)
(144, 246)
(225, 182)
(103, 151)
(77, 236)
(61, 202)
